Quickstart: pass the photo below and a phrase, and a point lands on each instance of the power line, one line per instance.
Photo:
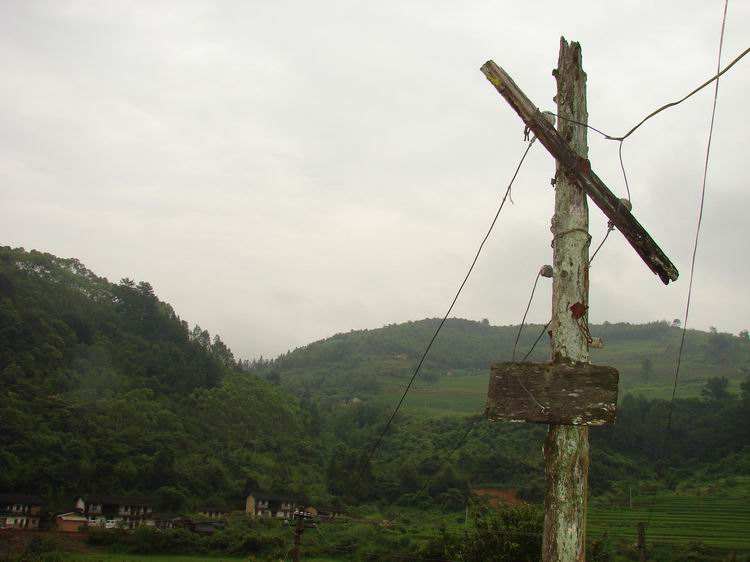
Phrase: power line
(700, 219)
(539, 337)
(621, 139)
(696, 90)
(450, 308)
(607, 136)
(624, 173)
(668, 425)
(460, 443)
(610, 228)
(523, 320)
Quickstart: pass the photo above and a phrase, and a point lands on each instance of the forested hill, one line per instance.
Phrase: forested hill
(103, 388)
(377, 362)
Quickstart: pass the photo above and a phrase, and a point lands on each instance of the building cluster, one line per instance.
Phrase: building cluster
(19, 511)
(129, 512)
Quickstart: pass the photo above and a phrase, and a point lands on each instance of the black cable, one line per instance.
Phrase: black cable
(539, 337)
(523, 320)
(450, 308)
(654, 113)
(698, 89)
(698, 226)
(663, 107)
(460, 443)
(544, 329)
(599, 247)
(668, 426)
(624, 173)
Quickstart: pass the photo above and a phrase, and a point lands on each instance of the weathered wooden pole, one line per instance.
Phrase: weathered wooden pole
(566, 449)
(299, 528)
(641, 527)
(588, 396)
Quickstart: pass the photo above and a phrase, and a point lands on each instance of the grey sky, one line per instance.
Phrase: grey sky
(282, 171)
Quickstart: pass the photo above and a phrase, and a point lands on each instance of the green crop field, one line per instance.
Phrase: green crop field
(145, 558)
(160, 558)
(719, 522)
(450, 395)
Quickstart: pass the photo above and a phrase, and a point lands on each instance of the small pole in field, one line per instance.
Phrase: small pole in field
(641, 542)
(298, 530)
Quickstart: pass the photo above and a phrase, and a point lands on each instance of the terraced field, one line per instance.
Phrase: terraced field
(719, 522)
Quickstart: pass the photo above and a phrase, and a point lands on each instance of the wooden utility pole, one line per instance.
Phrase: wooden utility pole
(641, 527)
(299, 528)
(587, 395)
(566, 449)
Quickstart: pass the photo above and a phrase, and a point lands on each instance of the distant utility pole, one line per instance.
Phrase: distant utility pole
(641, 527)
(299, 528)
(569, 394)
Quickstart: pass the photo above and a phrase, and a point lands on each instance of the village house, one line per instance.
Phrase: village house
(19, 511)
(127, 512)
(259, 504)
(325, 513)
(213, 512)
(70, 522)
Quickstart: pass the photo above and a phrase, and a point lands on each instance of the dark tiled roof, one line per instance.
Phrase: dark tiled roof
(328, 509)
(20, 498)
(276, 498)
(17, 514)
(117, 500)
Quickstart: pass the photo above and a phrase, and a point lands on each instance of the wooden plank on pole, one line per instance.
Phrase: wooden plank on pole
(579, 171)
(559, 393)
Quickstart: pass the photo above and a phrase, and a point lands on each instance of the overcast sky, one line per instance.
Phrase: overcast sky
(283, 171)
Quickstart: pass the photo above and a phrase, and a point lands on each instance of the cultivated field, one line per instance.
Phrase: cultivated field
(719, 522)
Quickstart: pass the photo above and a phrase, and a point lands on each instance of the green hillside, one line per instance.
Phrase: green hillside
(378, 363)
(104, 389)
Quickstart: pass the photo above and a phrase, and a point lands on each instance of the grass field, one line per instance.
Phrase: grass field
(719, 522)
(160, 558)
(148, 558)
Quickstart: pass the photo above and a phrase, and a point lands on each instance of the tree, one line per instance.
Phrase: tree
(513, 534)
(676, 323)
(222, 352)
(719, 345)
(647, 368)
(716, 389)
(744, 335)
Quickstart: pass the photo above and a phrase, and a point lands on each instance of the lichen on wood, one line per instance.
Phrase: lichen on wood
(566, 450)
(562, 393)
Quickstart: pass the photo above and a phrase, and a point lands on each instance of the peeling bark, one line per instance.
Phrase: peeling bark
(566, 449)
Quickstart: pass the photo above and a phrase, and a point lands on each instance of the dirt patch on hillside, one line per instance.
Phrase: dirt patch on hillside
(498, 497)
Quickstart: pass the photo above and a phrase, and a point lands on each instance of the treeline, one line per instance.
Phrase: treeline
(428, 462)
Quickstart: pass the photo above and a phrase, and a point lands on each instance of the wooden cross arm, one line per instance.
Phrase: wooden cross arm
(579, 170)
(557, 393)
